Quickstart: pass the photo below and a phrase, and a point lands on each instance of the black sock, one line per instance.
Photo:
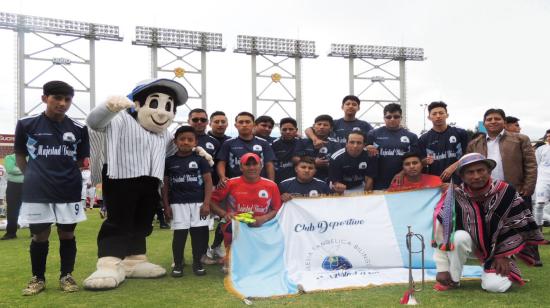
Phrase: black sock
(199, 242)
(39, 255)
(67, 254)
(218, 236)
(178, 245)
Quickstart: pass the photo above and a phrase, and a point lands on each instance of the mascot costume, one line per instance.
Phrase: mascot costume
(135, 143)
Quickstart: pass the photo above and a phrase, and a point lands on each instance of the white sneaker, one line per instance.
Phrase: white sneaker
(219, 251)
(207, 260)
(210, 253)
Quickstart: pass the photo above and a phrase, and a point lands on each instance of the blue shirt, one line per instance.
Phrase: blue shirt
(53, 149)
(185, 177)
(232, 150)
(313, 188)
(351, 171)
(446, 148)
(209, 144)
(391, 145)
(342, 129)
(324, 152)
(284, 151)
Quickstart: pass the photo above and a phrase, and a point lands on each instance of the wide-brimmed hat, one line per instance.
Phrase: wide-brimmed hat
(178, 88)
(473, 158)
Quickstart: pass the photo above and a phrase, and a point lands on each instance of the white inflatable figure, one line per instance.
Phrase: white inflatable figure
(135, 144)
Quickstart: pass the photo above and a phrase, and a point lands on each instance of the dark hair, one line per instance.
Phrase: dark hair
(409, 155)
(477, 135)
(217, 113)
(264, 119)
(393, 107)
(185, 129)
(351, 98)
(244, 113)
(357, 132)
(324, 117)
(307, 160)
(57, 87)
(438, 104)
(288, 120)
(511, 120)
(197, 110)
(493, 110)
(141, 97)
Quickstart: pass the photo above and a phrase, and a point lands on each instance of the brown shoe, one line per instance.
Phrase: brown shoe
(68, 284)
(34, 287)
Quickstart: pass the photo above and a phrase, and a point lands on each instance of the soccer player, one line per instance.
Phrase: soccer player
(218, 125)
(442, 146)
(286, 149)
(323, 150)
(263, 127)
(389, 143)
(231, 151)
(198, 119)
(351, 169)
(56, 146)
(413, 177)
(305, 183)
(247, 193)
(186, 198)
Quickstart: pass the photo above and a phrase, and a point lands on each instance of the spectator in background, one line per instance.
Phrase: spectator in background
(512, 124)
(542, 190)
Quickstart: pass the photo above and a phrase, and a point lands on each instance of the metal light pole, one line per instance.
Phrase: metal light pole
(424, 116)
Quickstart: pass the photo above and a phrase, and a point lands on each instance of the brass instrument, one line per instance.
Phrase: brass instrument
(408, 298)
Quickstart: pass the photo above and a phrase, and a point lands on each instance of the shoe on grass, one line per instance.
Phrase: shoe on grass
(198, 269)
(68, 284)
(34, 287)
(177, 271)
(164, 226)
(8, 236)
(219, 251)
(208, 261)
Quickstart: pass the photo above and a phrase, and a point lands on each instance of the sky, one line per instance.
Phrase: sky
(479, 54)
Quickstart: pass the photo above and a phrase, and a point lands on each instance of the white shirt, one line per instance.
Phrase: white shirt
(543, 162)
(3, 182)
(493, 152)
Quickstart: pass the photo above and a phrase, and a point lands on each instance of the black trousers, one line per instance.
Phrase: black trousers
(131, 205)
(13, 198)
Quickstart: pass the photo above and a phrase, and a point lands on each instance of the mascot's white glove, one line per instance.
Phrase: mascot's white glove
(118, 103)
(202, 153)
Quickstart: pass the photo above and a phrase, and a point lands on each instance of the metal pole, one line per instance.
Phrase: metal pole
(203, 79)
(403, 92)
(154, 59)
(298, 83)
(92, 73)
(351, 77)
(20, 74)
(254, 82)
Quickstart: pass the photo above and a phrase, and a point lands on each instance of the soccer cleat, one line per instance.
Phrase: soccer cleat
(207, 260)
(34, 287)
(164, 226)
(198, 269)
(177, 271)
(219, 251)
(8, 236)
(68, 284)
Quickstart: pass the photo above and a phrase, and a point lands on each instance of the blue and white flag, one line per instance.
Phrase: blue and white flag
(334, 243)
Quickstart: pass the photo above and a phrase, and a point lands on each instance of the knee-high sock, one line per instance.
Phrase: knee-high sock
(218, 236)
(538, 212)
(178, 245)
(199, 241)
(67, 254)
(39, 255)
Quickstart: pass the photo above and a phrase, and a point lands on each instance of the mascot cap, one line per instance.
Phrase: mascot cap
(178, 88)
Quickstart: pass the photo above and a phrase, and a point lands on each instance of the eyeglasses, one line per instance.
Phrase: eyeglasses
(197, 120)
(395, 117)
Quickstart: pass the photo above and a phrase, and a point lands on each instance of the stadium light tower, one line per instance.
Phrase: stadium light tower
(272, 50)
(170, 42)
(364, 53)
(63, 55)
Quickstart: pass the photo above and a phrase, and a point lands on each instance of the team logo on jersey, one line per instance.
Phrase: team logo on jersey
(356, 129)
(209, 145)
(263, 194)
(257, 148)
(363, 165)
(69, 137)
(323, 150)
(313, 193)
(452, 139)
(405, 139)
(193, 165)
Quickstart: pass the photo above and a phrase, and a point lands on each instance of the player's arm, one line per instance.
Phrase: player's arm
(21, 161)
(220, 168)
(205, 208)
(165, 200)
(270, 170)
(368, 183)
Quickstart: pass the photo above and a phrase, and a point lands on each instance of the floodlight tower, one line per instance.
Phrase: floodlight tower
(170, 41)
(267, 47)
(42, 29)
(388, 53)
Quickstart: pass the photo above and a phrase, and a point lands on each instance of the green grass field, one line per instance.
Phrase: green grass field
(208, 291)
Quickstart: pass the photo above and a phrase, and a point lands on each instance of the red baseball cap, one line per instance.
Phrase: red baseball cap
(246, 157)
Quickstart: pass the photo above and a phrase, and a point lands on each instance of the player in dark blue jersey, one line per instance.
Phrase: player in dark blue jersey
(198, 119)
(442, 146)
(231, 151)
(305, 183)
(263, 126)
(186, 198)
(218, 125)
(324, 148)
(351, 168)
(287, 149)
(56, 146)
(390, 143)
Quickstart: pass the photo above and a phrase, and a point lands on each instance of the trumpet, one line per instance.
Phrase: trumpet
(408, 297)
